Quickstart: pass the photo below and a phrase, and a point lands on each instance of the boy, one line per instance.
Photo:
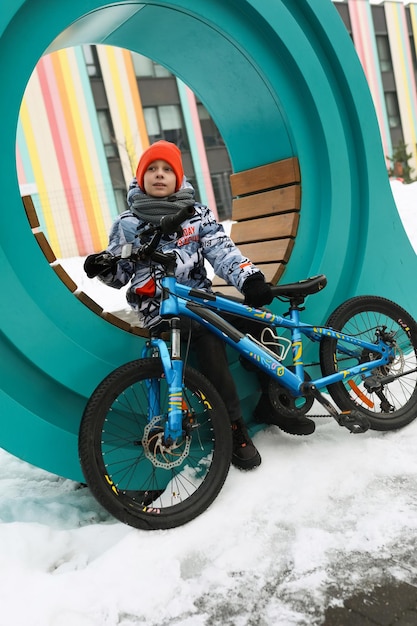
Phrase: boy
(160, 188)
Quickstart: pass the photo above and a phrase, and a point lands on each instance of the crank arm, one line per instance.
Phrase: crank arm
(354, 421)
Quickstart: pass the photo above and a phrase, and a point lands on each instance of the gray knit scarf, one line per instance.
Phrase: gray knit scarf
(151, 209)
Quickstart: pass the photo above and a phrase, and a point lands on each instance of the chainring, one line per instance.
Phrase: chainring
(284, 403)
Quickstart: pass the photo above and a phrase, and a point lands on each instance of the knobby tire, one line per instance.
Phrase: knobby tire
(131, 474)
(362, 316)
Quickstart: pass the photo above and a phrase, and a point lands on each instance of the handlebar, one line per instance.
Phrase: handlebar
(168, 225)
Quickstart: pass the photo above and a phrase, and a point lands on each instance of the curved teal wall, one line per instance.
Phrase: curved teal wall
(280, 79)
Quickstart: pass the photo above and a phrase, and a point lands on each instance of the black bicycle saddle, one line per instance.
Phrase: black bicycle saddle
(302, 288)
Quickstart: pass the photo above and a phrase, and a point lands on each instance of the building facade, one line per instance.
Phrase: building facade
(89, 112)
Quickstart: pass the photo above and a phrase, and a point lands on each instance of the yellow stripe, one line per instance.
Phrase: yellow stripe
(137, 116)
(125, 106)
(38, 171)
(117, 74)
(117, 70)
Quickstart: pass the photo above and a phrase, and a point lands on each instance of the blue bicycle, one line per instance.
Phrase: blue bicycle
(155, 442)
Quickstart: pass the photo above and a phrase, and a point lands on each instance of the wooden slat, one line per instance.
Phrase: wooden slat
(46, 248)
(268, 251)
(265, 228)
(116, 321)
(272, 271)
(267, 203)
(66, 279)
(124, 325)
(264, 177)
(30, 211)
(142, 332)
(89, 302)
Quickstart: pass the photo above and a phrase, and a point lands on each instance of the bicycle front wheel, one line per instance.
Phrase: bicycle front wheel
(391, 402)
(130, 469)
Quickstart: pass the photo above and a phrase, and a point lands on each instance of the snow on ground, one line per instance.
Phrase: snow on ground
(322, 517)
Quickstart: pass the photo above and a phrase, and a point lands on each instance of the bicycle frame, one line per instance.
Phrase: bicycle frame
(179, 300)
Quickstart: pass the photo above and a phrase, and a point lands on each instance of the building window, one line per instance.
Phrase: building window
(223, 195)
(413, 53)
(209, 129)
(384, 53)
(145, 67)
(120, 198)
(91, 61)
(104, 121)
(165, 122)
(393, 110)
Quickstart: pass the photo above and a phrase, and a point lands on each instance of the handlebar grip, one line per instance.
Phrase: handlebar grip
(170, 223)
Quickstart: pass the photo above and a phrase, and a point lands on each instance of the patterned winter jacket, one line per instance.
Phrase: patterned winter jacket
(203, 239)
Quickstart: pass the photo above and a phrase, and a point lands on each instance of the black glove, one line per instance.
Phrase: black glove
(256, 291)
(101, 264)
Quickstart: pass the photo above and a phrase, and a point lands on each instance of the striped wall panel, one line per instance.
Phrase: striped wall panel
(365, 44)
(404, 72)
(60, 153)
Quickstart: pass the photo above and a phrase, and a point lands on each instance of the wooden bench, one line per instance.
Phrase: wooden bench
(265, 214)
(66, 278)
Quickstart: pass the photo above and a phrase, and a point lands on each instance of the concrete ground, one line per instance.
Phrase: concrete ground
(393, 604)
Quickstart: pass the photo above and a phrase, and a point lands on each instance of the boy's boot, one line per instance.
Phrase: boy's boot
(266, 414)
(244, 456)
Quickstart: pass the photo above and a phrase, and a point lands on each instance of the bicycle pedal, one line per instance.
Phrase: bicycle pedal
(354, 421)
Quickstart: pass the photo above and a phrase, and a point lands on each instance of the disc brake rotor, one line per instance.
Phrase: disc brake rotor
(156, 450)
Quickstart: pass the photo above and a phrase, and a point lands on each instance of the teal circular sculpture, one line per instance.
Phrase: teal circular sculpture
(280, 79)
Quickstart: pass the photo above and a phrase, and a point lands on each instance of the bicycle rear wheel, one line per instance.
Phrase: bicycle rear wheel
(127, 466)
(392, 403)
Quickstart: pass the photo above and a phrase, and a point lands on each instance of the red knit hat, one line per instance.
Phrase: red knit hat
(165, 151)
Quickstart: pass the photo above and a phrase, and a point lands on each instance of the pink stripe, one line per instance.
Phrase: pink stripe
(52, 99)
(359, 18)
(202, 155)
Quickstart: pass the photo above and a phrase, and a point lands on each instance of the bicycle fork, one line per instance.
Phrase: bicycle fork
(173, 369)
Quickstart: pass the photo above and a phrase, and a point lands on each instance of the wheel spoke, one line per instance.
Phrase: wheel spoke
(389, 396)
(130, 468)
